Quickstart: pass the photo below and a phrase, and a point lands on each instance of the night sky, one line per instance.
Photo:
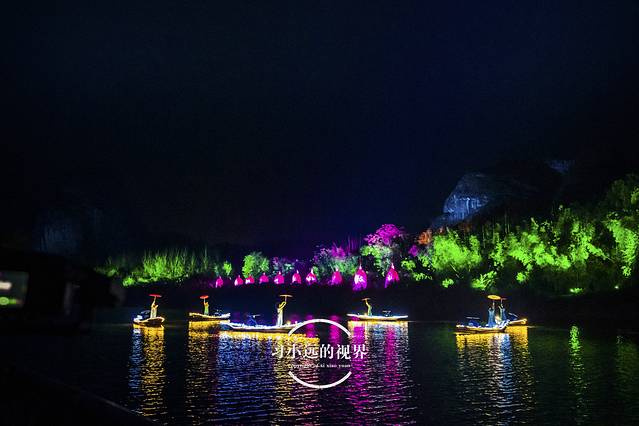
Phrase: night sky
(258, 122)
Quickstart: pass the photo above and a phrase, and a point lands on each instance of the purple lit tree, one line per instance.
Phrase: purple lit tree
(329, 260)
(384, 246)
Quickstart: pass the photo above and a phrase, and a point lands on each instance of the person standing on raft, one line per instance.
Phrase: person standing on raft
(369, 311)
(280, 310)
(491, 315)
(154, 309)
(502, 311)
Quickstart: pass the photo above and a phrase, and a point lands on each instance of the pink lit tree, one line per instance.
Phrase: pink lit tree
(238, 281)
(336, 278)
(311, 278)
(391, 276)
(297, 278)
(219, 282)
(263, 279)
(360, 280)
(279, 278)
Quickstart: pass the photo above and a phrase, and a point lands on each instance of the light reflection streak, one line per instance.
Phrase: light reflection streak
(147, 375)
(200, 372)
(381, 377)
(259, 382)
(495, 374)
(577, 380)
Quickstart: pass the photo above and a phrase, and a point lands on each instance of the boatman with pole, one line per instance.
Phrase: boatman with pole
(205, 302)
(369, 311)
(154, 306)
(280, 310)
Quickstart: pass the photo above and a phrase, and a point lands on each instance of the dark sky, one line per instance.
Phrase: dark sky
(254, 122)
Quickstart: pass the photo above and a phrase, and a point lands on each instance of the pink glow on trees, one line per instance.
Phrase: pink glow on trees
(219, 282)
(263, 279)
(336, 279)
(311, 278)
(385, 235)
(238, 281)
(360, 280)
(250, 280)
(297, 278)
(391, 277)
(279, 278)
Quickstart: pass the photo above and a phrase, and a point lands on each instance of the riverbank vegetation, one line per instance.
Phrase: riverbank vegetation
(573, 250)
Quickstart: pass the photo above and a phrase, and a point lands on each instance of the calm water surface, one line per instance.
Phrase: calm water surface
(412, 373)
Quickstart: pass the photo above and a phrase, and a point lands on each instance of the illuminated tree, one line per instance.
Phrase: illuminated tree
(328, 260)
(227, 268)
(360, 280)
(255, 263)
(453, 255)
(383, 246)
(219, 282)
(425, 237)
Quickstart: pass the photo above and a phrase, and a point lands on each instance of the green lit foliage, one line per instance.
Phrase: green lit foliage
(626, 244)
(447, 282)
(382, 256)
(414, 270)
(484, 281)
(227, 268)
(173, 265)
(454, 255)
(255, 263)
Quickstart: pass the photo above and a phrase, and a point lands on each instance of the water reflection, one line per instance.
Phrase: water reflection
(380, 386)
(627, 372)
(147, 375)
(496, 382)
(254, 382)
(577, 381)
(200, 372)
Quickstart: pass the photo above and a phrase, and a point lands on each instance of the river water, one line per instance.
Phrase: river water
(409, 372)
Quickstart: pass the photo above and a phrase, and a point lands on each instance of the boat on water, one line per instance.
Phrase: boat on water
(368, 316)
(194, 316)
(206, 316)
(257, 328)
(140, 321)
(473, 325)
(253, 327)
(515, 320)
(149, 318)
(389, 317)
(478, 328)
